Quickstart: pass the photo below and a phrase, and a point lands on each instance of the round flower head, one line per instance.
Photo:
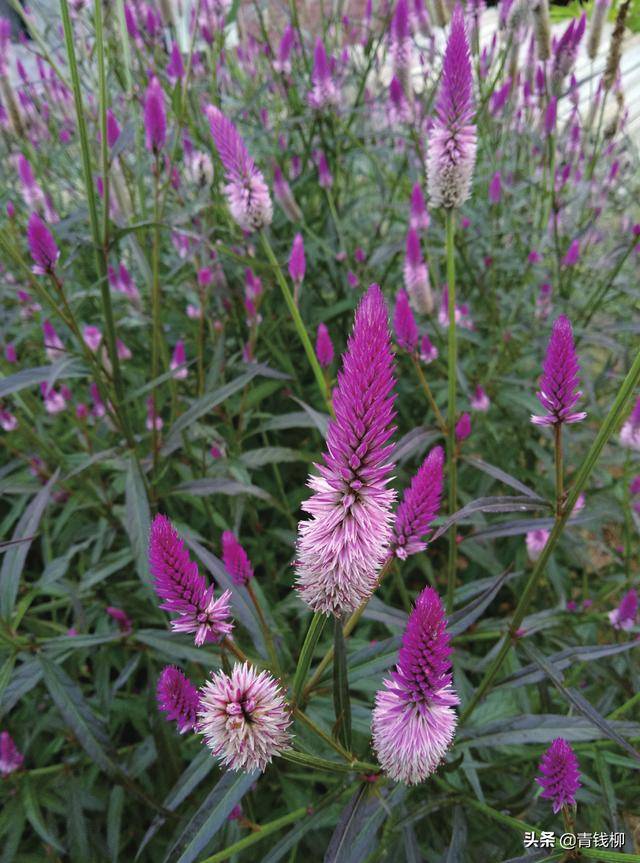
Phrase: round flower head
(178, 698)
(559, 775)
(343, 545)
(413, 721)
(244, 718)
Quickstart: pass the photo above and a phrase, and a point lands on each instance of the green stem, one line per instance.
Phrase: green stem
(311, 725)
(155, 313)
(271, 648)
(306, 654)
(427, 391)
(616, 412)
(557, 435)
(452, 466)
(258, 835)
(297, 320)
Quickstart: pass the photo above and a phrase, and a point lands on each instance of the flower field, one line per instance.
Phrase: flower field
(320, 427)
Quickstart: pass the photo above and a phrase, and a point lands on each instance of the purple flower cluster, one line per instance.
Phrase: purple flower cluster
(559, 384)
(559, 775)
(178, 698)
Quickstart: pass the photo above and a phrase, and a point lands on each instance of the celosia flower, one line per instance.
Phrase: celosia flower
(543, 301)
(559, 383)
(178, 361)
(123, 351)
(463, 427)
(284, 196)
(565, 51)
(495, 188)
(416, 275)
(324, 346)
(178, 698)
(419, 506)
(235, 559)
(325, 177)
(452, 145)
(10, 758)
(404, 323)
(400, 45)
(428, 351)
(92, 337)
(155, 120)
(560, 775)
(282, 63)
(297, 260)
(573, 254)
(418, 216)
(244, 718)
(183, 589)
(480, 400)
(624, 616)
(54, 401)
(413, 720)
(52, 342)
(342, 547)
(10, 353)
(113, 129)
(42, 246)
(31, 192)
(630, 431)
(153, 420)
(399, 107)
(8, 421)
(121, 618)
(324, 92)
(535, 541)
(175, 69)
(246, 190)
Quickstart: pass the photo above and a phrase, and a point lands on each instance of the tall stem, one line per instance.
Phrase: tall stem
(557, 435)
(616, 412)
(155, 312)
(452, 466)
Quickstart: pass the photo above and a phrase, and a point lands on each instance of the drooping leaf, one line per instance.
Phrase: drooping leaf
(137, 520)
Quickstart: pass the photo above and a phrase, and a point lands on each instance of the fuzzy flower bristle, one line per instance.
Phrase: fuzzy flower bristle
(235, 559)
(246, 190)
(178, 698)
(244, 718)
(452, 145)
(559, 774)
(413, 720)
(342, 546)
(559, 383)
(183, 589)
(419, 507)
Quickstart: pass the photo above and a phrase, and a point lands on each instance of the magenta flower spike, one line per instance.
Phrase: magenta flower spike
(236, 560)
(175, 69)
(297, 260)
(413, 720)
(550, 116)
(246, 190)
(463, 427)
(452, 145)
(404, 324)
(121, 618)
(418, 216)
(42, 246)
(324, 92)
(324, 346)
(282, 63)
(480, 401)
(419, 507)
(10, 758)
(178, 698)
(183, 589)
(573, 254)
(624, 616)
(416, 275)
(113, 128)
(559, 383)
(342, 546)
(630, 431)
(155, 119)
(559, 775)
(401, 44)
(244, 718)
(495, 188)
(428, 351)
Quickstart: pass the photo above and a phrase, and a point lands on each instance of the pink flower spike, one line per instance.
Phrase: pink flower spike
(92, 338)
(178, 698)
(244, 718)
(10, 758)
(297, 261)
(42, 246)
(246, 190)
(559, 384)
(404, 323)
(182, 589)
(624, 616)
(236, 560)
(419, 507)
(630, 431)
(480, 400)
(10, 353)
(178, 362)
(155, 120)
(413, 720)
(113, 129)
(175, 69)
(495, 188)
(419, 217)
(324, 346)
(416, 275)
(342, 546)
(428, 351)
(573, 254)
(463, 427)
(559, 775)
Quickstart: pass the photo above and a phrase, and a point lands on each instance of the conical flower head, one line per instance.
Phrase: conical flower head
(413, 721)
(419, 217)
(155, 118)
(235, 559)
(42, 246)
(244, 718)
(559, 384)
(404, 324)
(183, 589)
(324, 346)
(416, 275)
(419, 507)
(178, 698)
(246, 190)
(324, 92)
(559, 774)
(342, 546)
(11, 759)
(452, 146)
(624, 616)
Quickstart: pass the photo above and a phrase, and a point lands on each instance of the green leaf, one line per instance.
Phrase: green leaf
(5, 673)
(34, 816)
(255, 458)
(210, 816)
(114, 822)
(69, 367)
(341, 700)
(221, 485)
(306, 654)
(137, 520)
(15, 557)
(355, 834)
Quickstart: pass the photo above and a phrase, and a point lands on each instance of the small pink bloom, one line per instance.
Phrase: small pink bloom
(178, 361)
(480, 401)
(121, 617)
(92, 337)
(463, 427)
(324, 346)
(536, 541)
